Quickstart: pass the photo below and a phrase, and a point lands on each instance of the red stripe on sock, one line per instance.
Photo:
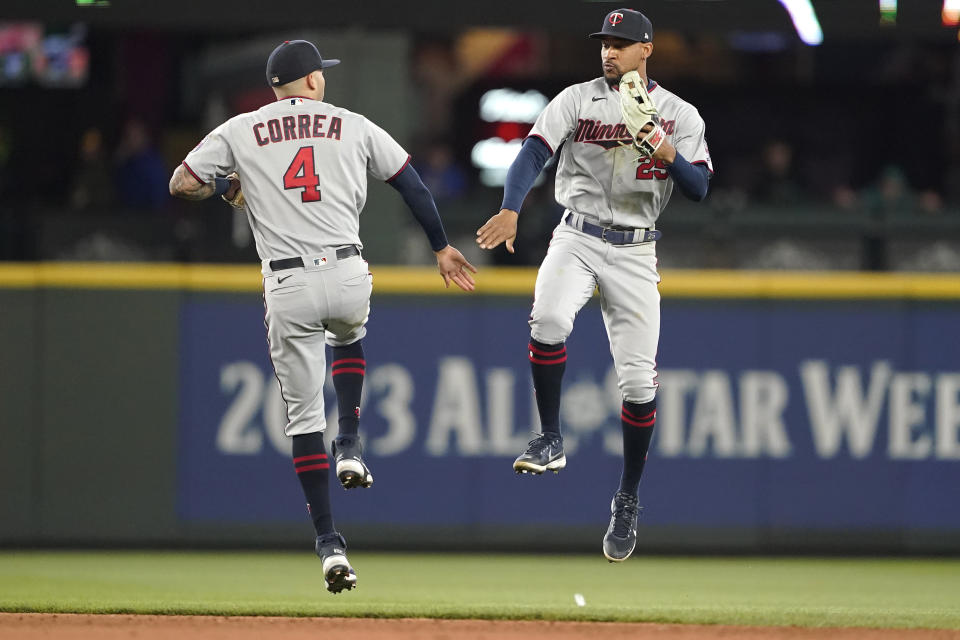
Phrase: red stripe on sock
(339, 371)
(541, 352)
(311, 467)
(538, 361)
(349, 361)
(636, 423)
(319, 456)
(636, 417)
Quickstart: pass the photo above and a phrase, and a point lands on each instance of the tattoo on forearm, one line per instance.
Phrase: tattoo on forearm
(183, 185)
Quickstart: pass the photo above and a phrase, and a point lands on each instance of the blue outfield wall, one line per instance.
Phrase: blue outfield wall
(808, 416)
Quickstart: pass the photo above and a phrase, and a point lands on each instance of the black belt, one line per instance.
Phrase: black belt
(293, 263)
(614, 236)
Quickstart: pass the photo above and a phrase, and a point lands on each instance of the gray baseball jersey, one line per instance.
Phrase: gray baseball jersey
(602, 179)
(303, 166)
(600, 174)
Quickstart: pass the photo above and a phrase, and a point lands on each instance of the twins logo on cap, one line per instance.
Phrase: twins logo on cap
(628, 24)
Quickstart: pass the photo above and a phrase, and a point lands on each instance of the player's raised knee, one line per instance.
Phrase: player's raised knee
(550, 327)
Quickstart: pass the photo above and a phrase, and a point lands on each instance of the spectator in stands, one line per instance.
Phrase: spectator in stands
(890, 194)
(930, 202)
(142, 174)
(444, 177)
(844, 197)
(779, 184)
(438, 79)
(92, 187)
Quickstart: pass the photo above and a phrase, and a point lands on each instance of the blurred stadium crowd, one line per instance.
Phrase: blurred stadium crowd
(842, 156)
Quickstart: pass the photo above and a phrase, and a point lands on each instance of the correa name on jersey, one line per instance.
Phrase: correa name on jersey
(297, 128)
(609, 136)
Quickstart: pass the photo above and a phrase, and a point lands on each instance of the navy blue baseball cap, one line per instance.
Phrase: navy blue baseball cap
(627, 24)
(293, 60)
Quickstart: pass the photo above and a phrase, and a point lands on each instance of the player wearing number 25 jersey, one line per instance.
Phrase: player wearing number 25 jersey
(302, 165)
(613, 192)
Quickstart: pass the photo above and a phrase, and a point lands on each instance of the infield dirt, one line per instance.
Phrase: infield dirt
(33, 626)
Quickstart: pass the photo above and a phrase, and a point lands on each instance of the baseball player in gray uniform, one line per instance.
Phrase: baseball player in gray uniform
(627, 142)
(303, 164)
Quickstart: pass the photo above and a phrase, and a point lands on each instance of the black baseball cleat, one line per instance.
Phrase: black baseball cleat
(621, 535)
(351, 470)
(544, 453)
(337, 572)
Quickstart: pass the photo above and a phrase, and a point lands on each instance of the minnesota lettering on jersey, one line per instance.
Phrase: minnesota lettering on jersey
(296, 128)
(609, 136)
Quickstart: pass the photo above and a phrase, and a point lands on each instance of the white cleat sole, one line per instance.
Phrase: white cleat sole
(338, 574)
(351, 474)
(529, 467)
(616, 559)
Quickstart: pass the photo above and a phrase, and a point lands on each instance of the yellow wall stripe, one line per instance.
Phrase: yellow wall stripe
(490, 281)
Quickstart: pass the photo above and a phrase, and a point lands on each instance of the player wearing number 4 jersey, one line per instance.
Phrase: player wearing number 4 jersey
(303, 164)
(627, 142)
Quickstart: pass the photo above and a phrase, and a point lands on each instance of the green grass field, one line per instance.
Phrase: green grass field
(751, 591)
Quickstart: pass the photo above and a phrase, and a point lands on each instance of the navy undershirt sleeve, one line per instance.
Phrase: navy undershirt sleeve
(691, 179)
(421, 204)
(525, 168)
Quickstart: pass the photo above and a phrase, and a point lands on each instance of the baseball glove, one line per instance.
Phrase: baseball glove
(640, 114)
(236, 200)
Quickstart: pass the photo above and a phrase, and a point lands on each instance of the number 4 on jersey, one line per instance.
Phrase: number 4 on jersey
(301, 174)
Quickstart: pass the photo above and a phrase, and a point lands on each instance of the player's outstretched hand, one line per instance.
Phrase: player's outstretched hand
(500, 228)
(451, 264)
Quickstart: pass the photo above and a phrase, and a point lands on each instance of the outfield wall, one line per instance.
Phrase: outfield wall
(810, 412)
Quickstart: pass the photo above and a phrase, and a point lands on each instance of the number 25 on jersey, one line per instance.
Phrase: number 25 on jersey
(650, 169)
(301, 174)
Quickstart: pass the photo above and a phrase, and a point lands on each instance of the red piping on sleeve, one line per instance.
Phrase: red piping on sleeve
(399, 171)
(192, 173)
(536, 135)
(704, 163)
